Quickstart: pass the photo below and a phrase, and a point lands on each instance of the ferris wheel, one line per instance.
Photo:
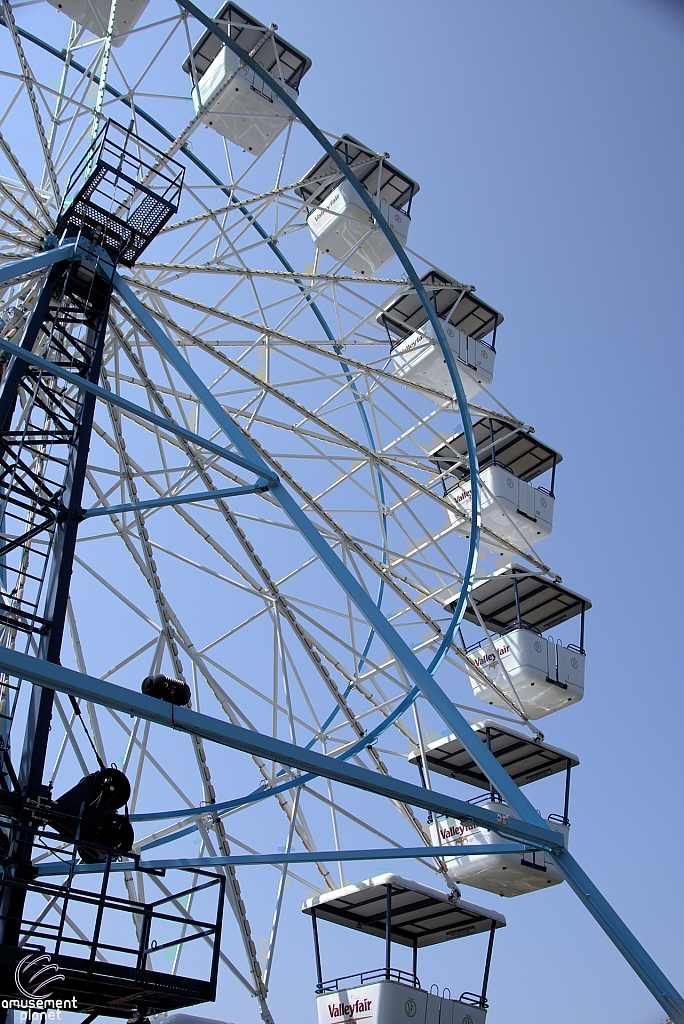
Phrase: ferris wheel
(271, 558)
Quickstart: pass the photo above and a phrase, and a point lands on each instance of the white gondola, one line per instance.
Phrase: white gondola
(340, 223)
(506, 874)
(531, 672)
(525, 760)
(466, 320)
(233, 100)
(410, 914)
(510, 506)
(93, 15)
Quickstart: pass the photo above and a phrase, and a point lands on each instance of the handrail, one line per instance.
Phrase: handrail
(396, 342)
(484, 641)
(504, 632)
(174, 925)
(576, 647)
(471, 999)
(366, 977)
(486, 798)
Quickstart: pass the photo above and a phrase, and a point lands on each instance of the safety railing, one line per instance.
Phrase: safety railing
(103, 942)
(472, 999)
(121, 194)
(368, 978)
(484, 641)
(64, 902)
(485, 798)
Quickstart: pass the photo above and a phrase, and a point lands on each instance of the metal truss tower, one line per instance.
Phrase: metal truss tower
(116, 202)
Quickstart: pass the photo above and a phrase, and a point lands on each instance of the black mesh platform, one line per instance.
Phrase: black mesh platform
(121, 194)
(112, 990)
(107, 951)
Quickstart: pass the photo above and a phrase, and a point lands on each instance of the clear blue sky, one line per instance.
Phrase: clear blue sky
(547, 139)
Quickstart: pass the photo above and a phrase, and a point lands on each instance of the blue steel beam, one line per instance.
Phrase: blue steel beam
(634, 953)
(136, 410)
(19, 268)
(259, 487)
(648, 970)
(130, 702)
(51, 312)
(258, 859)
(405, 657)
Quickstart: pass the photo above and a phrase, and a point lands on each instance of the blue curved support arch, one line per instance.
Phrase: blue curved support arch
(275, 248)
(280, 256)
(396, 646)
(459, 611)
(413, 277)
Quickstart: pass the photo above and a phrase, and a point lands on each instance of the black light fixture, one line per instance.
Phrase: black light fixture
(88, 811)
(173, 691)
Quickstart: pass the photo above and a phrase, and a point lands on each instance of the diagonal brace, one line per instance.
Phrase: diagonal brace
(136, 410)
(405, 657)
(259, 487)
(625, 941)
(304, 857)
(119, 698)
(19, 268)
(634, 953)
(18, 542)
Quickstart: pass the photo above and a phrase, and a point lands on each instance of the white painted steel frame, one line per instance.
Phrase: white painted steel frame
(137, 410)
(403, 653)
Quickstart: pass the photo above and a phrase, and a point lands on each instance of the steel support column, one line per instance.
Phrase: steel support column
(45, 434)
(63, 549)
(71, 314)
(16, 367)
